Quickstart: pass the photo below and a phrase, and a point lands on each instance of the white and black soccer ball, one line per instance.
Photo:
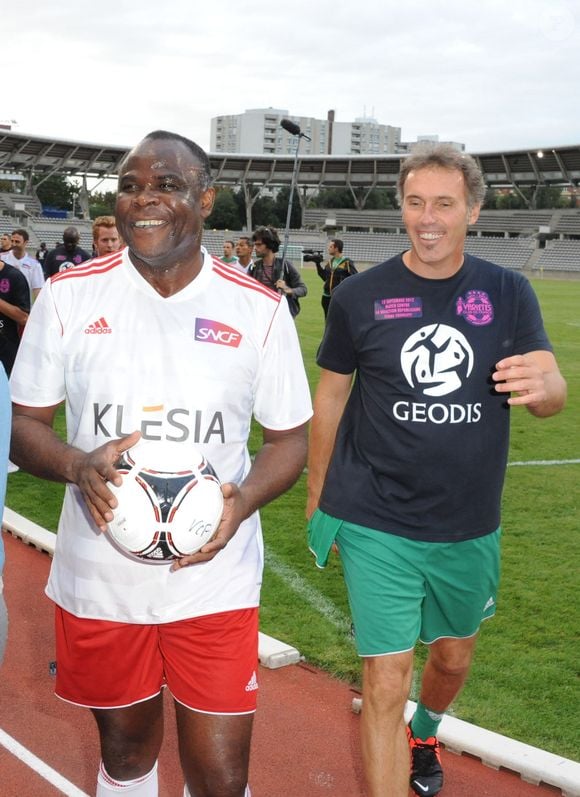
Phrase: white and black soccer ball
(169, 504)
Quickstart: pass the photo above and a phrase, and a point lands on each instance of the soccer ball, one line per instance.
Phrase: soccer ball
(169, 504)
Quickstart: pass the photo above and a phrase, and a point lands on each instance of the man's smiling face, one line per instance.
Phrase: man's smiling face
(160, 205)
(436, 215)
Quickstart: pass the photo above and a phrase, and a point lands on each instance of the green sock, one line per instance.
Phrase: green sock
(425, 722)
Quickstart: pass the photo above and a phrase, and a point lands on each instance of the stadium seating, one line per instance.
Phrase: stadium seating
(50, 231)
(560, 256)
(508, 252)
(508, 248)
(13, 204)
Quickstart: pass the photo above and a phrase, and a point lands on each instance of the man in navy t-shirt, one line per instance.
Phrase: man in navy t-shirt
(421, 359)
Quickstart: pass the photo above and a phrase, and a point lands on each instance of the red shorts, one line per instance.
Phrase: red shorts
(209, 663)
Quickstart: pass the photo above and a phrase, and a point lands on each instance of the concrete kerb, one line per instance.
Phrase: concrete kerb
(533, 765)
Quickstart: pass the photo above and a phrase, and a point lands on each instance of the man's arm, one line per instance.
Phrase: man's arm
(276, 467)
(37, 449)
(536, 381)
(293, 284)
(323, 270)
(329, 403)
(13, 311)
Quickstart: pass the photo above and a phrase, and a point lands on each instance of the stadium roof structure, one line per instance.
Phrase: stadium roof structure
(527, 167)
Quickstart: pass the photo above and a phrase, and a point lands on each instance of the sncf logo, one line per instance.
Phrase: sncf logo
(208, 331)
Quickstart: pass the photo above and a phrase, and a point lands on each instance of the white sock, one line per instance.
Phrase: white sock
(186, 793)
(146, 786)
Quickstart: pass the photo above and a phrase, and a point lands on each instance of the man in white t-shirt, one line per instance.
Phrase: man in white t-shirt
(30, 267)
(244, 249)
(188, 351)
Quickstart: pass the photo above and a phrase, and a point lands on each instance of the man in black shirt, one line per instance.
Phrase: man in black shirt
(336, 269)
(14, 309)
(268, 269)
(68, 254)
(422, 358)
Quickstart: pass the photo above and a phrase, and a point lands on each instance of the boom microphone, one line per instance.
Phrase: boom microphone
(290, 126)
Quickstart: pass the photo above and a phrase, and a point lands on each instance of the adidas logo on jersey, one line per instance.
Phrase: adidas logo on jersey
(489, 604)
(99, 327)
(252, 683)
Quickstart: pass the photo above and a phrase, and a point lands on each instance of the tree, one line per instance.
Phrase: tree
(225, 214)
(509, 201)
(102, 203)
(264, 212)
(281, 209)
(56, 191)
(381, 199)
(548, 197)
(333, 198)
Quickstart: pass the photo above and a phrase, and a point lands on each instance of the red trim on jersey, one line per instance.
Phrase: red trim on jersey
(271, 324)
(98, 265)
(233, 274)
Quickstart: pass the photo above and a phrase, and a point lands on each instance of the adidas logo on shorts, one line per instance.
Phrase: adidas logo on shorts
(252, 683)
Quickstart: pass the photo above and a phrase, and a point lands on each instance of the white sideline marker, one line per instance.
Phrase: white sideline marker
(494, 750)
(271, 652)
(42, 769)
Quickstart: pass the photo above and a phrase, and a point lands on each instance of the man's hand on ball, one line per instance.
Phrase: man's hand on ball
(92, 471)
(235, 511)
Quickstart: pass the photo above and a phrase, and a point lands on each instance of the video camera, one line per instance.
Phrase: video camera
(312, 256)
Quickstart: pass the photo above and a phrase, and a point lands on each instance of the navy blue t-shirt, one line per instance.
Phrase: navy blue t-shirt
(422, 447)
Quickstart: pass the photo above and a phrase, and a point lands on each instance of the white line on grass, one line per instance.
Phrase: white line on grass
(312, 596)
(545, 462)
(529, 462)
(42, 769)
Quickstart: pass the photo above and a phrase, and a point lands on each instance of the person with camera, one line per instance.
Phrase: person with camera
(278, 274)
(336, 269)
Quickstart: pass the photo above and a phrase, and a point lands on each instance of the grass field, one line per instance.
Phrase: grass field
(524, 682)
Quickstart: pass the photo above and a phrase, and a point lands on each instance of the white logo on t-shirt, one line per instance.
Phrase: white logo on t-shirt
(436, 358)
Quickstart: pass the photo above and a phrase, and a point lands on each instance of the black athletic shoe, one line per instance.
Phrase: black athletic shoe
(426, 773)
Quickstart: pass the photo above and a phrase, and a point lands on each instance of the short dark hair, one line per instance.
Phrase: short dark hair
(23, 233)
(245, 238)
(269, 236)
(198, 153)
(71, 235)
(229, 241)
(338, 244)
(445, 156)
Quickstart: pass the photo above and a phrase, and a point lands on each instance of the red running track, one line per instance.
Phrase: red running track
(305, 740)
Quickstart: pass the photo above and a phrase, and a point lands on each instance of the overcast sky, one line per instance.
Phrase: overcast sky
(496, 74)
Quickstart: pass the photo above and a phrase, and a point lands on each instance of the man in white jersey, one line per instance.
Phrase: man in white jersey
(24, 262)
(192, 350)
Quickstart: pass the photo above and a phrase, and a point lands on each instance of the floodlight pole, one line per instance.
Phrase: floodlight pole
(293, 129)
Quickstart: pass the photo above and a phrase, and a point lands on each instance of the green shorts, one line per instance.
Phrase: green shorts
(402, 590)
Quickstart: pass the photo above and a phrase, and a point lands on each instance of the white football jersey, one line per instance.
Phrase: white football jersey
(191, 368)
(30, 267)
